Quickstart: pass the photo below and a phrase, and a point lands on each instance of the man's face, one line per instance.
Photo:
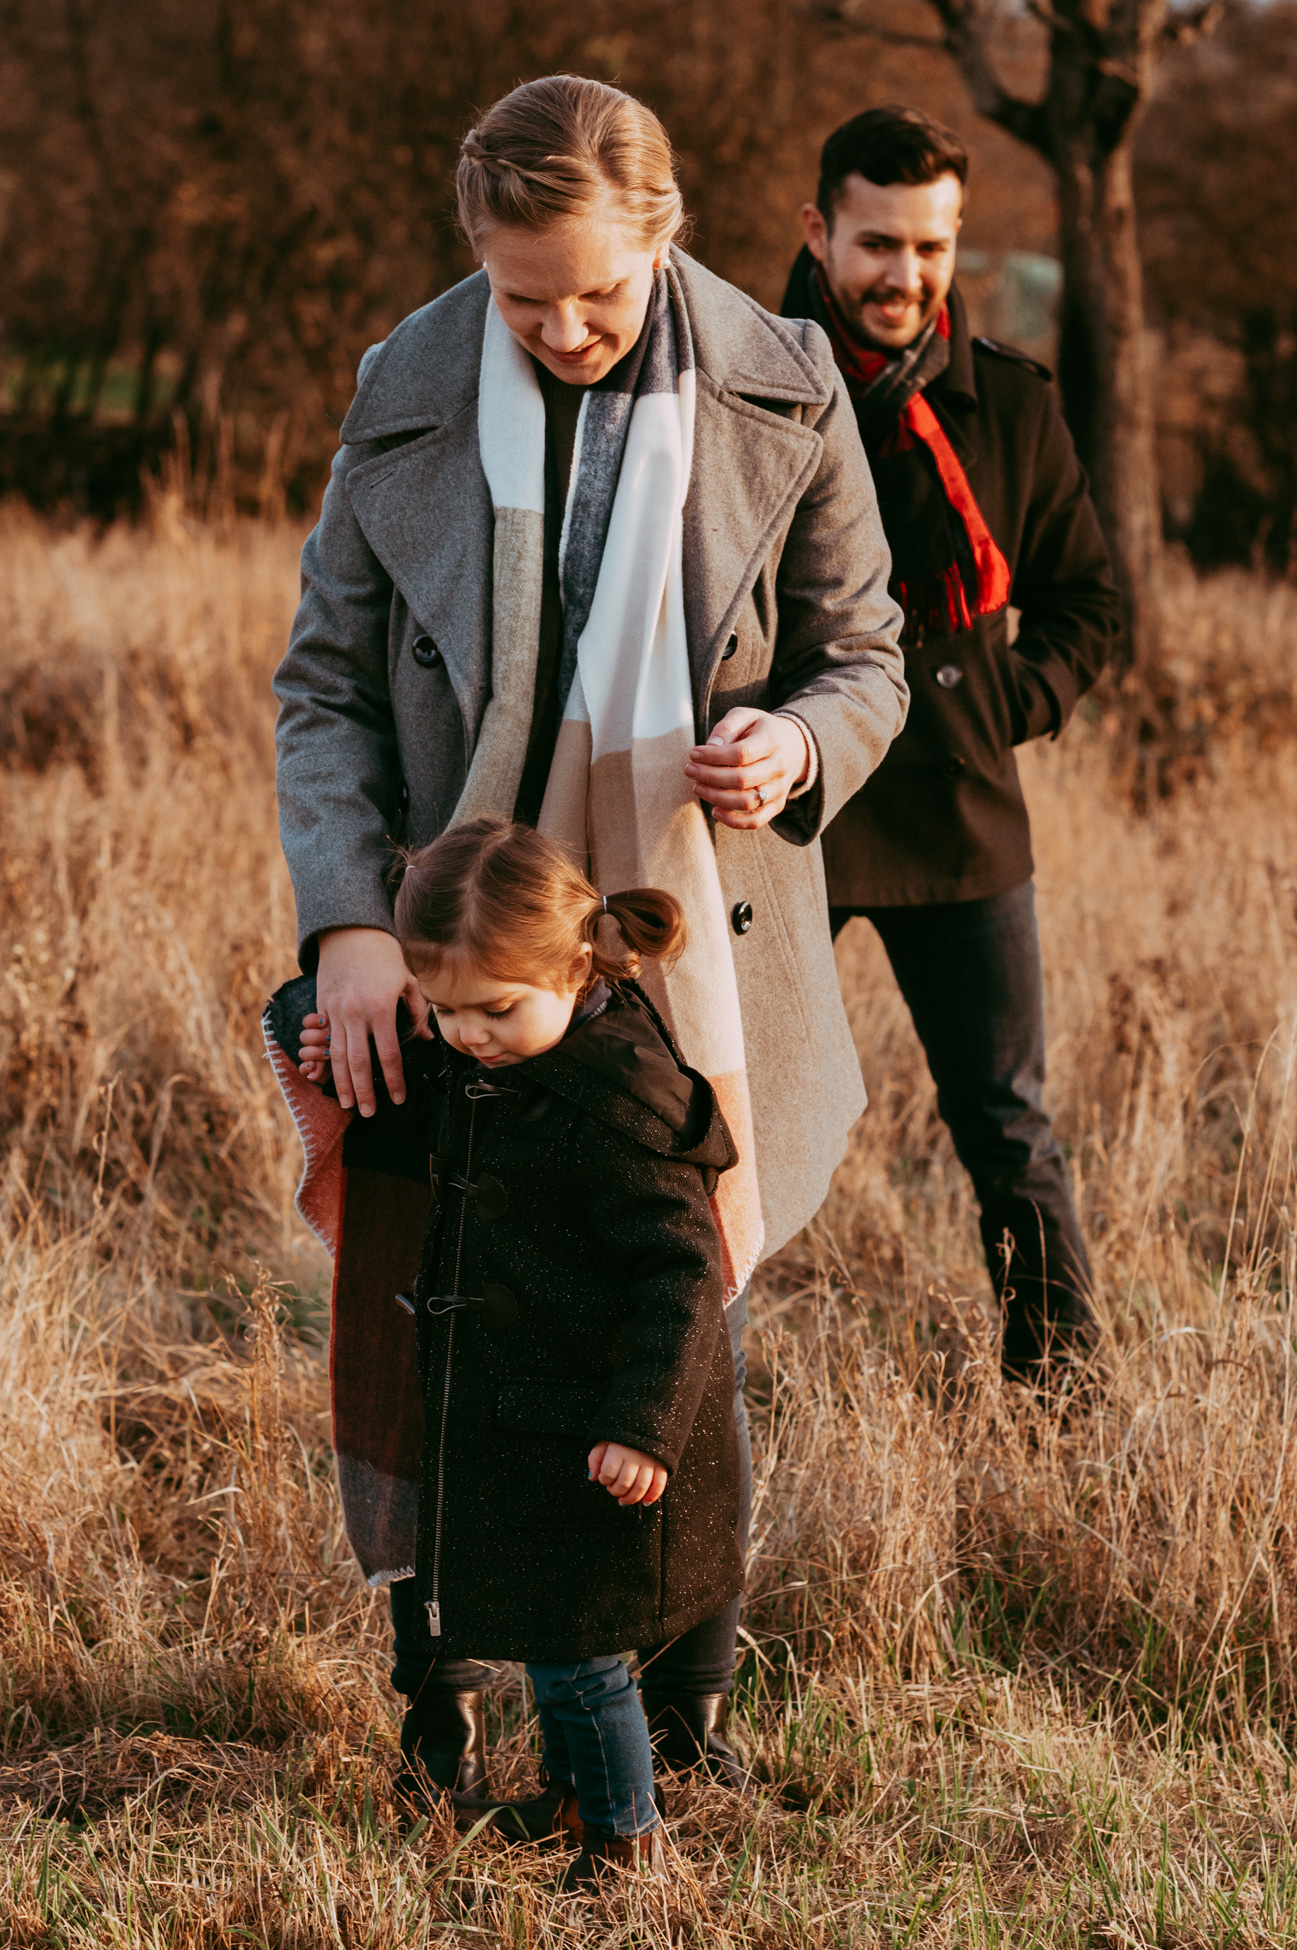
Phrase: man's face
(889, 255)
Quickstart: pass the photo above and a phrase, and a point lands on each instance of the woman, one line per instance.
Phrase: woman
(600, 552)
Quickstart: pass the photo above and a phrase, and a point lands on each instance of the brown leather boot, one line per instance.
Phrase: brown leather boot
(688, 1731)
(551, 1815)
(443, 1745)
(602, 1855)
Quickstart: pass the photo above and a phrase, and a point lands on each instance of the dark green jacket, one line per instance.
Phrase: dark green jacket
(943, 817)
(571, 1213)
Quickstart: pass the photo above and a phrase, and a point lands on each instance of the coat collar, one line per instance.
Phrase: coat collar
(425, 510)
(957, 385)
(427, 371)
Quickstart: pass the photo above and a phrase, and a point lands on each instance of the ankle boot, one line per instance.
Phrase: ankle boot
(688, 1731)
(443, 1746)
(551, 1815)
(602, 1852)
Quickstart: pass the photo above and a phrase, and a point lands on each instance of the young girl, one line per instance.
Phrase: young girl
(579, 1483)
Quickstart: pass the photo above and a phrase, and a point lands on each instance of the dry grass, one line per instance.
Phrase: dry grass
(1015, 1677)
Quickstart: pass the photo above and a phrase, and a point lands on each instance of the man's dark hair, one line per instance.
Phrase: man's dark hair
(888, 145)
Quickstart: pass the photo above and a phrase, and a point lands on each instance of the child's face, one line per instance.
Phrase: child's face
(498, 1022)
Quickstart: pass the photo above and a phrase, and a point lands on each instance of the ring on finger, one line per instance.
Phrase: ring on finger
(765, 793)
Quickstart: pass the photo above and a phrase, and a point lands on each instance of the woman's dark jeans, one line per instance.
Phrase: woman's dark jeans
(698, 1662)
(970, 973)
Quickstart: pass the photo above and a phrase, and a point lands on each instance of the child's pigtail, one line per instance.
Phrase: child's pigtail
(650, 924)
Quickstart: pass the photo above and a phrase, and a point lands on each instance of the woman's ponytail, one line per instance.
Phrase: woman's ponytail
(650, 924)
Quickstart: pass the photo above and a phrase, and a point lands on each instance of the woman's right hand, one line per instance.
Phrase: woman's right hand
(361, 977)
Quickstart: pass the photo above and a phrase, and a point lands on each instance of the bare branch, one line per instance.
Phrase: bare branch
(1183, 29)
(840, 17)
(969, 33)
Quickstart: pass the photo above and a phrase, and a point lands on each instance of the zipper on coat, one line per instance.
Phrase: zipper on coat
(432, 1605)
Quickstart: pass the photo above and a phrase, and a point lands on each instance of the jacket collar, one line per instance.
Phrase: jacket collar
(426, 372)
(957, 385)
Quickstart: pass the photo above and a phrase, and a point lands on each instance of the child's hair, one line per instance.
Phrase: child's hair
(511, 902)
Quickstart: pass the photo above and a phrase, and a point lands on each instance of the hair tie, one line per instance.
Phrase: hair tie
(605, 903)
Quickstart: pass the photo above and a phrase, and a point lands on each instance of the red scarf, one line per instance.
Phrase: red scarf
(977, 581)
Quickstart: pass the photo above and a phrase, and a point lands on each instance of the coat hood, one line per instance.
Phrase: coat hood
(622, 1066)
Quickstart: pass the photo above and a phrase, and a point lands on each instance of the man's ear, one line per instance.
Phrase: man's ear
(816, 231)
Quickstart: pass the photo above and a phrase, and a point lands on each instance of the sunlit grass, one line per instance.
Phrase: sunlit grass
(1014, 1673)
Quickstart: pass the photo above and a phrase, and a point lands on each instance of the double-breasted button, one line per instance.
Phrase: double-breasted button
(954, 766)
(424, 651)
(949, 675)
(729, 649)
(492, 1199)
(741, 916)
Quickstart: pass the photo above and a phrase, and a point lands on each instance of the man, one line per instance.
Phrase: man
(984, 504)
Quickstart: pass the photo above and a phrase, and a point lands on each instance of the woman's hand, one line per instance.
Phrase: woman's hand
(361, 978)
(748, 767)
(627, 1474)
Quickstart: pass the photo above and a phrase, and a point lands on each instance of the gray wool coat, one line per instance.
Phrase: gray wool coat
(388, 669)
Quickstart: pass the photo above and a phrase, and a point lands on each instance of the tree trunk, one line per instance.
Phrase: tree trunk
(1102, 358)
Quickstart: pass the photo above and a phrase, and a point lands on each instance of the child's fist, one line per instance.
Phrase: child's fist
(627, 1474)
(313, 1055)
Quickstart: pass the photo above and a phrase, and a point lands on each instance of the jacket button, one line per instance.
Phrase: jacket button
(729, 649)
(424, 651)
(954, 766)
(741, 917)
(948, 676)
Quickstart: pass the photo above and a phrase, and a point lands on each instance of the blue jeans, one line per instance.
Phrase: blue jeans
(699, 1661)
(597, 1740)
(970, 973)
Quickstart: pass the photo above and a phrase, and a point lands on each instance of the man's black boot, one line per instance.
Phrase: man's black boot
(443, 1749)
(688, 1731)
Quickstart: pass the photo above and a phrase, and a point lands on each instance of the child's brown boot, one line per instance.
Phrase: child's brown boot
(551, 1815)
(602, 1855)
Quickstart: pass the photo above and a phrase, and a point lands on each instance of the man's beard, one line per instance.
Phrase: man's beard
(853, 311)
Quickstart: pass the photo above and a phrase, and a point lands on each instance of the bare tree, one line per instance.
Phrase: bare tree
(1097, 58)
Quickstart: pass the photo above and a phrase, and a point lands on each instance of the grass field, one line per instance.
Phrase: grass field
(1011, 1678)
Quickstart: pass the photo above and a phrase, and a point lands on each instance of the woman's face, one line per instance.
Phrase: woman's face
(574, 295)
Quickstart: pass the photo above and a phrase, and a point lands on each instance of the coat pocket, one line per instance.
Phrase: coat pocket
(543, 1435)
(547, 1407)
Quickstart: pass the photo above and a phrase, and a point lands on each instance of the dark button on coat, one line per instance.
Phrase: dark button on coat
(598, 1224)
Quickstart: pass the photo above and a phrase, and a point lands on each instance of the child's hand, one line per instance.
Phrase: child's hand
(313, 1056)
(627, 1474)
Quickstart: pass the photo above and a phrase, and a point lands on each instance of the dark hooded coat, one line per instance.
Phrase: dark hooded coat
(570, 1293)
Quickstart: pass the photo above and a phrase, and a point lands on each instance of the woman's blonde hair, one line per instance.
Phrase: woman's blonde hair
(555, 147)
(512, 904)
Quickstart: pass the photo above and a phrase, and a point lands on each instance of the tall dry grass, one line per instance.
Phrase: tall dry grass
(1016, 1672)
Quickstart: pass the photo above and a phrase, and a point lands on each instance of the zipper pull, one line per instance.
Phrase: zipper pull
(433, 1610)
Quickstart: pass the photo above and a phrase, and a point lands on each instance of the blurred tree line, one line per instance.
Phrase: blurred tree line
(211, 207)
(1217, 185)
(208, 208)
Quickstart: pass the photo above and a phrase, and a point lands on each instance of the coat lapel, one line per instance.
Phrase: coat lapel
(426, 513)
(750, 464)
(425, 509)
(424, 505)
